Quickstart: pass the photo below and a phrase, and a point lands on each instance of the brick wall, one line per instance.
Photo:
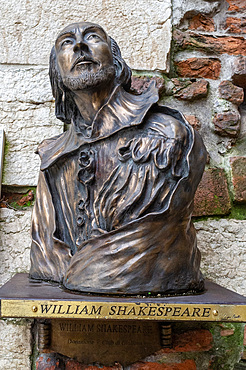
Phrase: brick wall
(203, 74)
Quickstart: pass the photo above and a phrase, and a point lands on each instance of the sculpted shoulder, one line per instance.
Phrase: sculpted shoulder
(164, 124)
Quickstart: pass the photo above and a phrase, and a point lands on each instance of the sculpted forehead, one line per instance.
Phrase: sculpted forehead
(81, 27)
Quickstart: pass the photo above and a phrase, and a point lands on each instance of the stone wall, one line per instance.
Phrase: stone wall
(203, 74)
(207, 83)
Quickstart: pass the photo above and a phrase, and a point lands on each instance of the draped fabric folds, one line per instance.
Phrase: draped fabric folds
(113, 212)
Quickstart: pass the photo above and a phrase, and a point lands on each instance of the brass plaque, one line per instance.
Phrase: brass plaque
(105, 341)
(54, 309)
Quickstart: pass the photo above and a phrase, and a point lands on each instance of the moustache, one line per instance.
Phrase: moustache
(83, 59)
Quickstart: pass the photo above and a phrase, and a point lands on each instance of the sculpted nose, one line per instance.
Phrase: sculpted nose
(80, 46)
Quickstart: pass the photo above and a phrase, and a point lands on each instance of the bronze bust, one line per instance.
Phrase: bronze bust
(115, 192)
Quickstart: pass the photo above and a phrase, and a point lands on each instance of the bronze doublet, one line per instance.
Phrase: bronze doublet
(115, 199)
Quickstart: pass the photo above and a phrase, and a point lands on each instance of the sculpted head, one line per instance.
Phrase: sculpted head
(84, 57)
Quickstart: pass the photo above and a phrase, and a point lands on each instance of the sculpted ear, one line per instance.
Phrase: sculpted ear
(62, 108)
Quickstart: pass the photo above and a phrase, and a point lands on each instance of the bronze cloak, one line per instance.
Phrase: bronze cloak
(114, 204)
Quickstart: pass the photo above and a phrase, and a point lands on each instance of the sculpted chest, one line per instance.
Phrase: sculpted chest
(82, 181)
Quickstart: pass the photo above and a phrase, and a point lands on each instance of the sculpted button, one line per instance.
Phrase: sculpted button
(81, 205)
(80, 221)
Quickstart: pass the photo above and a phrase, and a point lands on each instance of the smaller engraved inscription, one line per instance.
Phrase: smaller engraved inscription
(105, 341)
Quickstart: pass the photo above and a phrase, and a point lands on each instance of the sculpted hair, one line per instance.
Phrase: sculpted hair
(65, 107)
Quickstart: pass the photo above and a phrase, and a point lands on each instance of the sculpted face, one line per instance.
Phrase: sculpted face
(84, 56)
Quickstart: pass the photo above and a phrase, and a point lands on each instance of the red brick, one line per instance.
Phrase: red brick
(193, 121)
(238, 169)
(199, 67)
(235, 25)
(212, 196)
(202, 23)
(236, 5)
(74, 365)
(227, 124)
(196, 90)
(233, 45)
(186, 365)
(140, 83)
(190, 341)
(180, 83)
(239, 71)
(231, 92)
(49, 361)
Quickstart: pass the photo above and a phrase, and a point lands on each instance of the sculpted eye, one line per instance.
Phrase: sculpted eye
(66, 42)
(92, 37)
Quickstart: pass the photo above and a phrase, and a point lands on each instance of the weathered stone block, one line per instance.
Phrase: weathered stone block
(199, 67)
(15, 241)
(25, 84)
(27, 116)
(15, 344)
(16, 337)
(222, 244)
(227, 124)
(232, 45)
(238, 170)
(25, 125)
(231, 92)
(212, 196)
(235, 25)
(201, 22)
(29, 28)
(239, 71)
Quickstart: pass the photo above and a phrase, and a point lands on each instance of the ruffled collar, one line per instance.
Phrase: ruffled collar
(121, 110)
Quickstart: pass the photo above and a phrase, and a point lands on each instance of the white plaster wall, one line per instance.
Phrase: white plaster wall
(141, 27)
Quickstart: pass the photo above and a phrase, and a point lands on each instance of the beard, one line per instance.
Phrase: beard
(88, 79)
